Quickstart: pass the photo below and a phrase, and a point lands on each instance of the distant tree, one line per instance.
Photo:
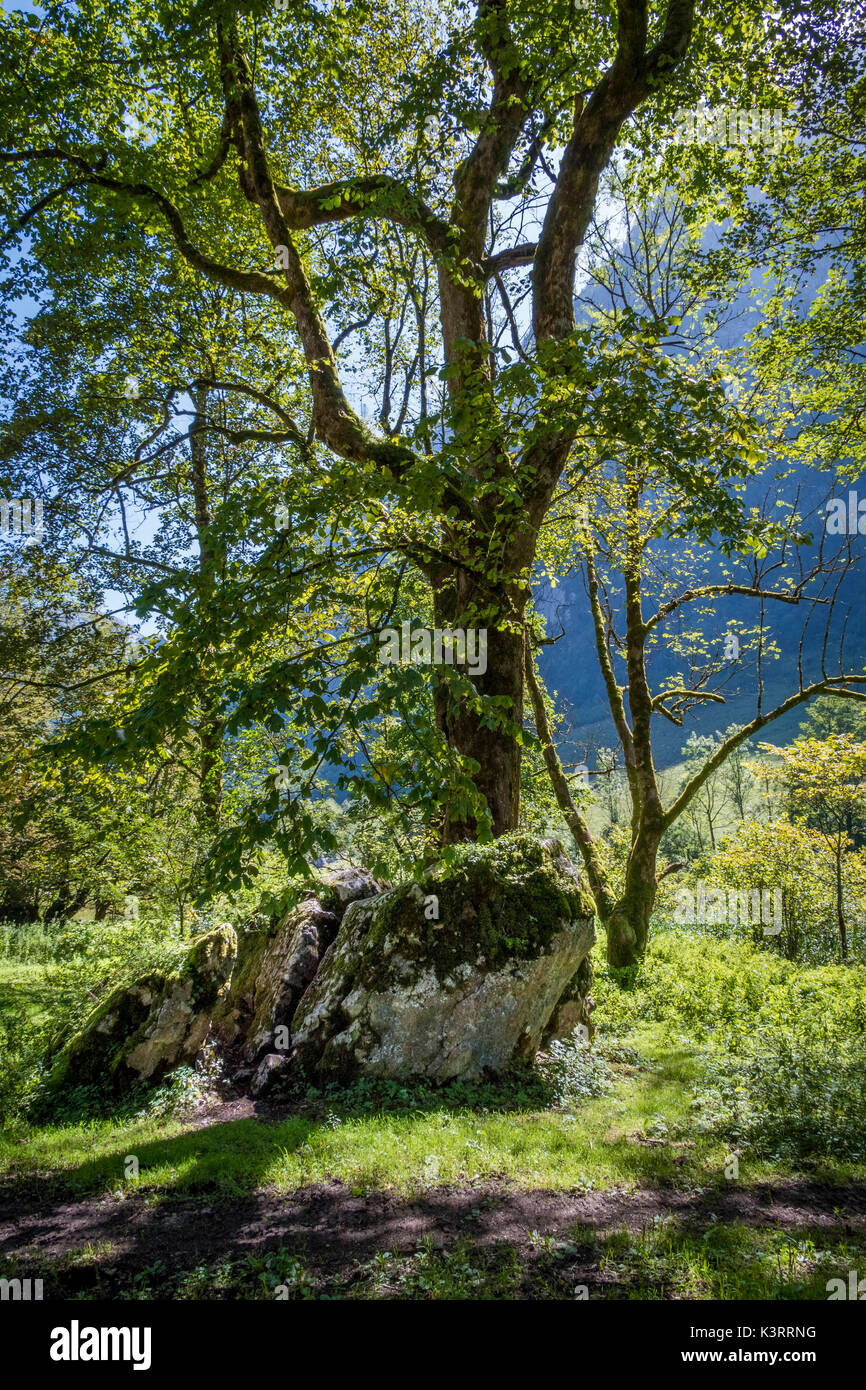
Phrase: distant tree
(707, 806)
(825, 784)
(782, 857)
(662, 546)
(609, 782)
(736, 778)
(53, 850)
(826, 716)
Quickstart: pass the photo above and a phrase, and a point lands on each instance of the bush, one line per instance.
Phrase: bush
(785, 1046)
(793, 1096)
(22, 1048)
(692, 983)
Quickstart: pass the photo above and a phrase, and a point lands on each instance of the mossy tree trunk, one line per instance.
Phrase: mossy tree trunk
(627, 921)
(493, 745)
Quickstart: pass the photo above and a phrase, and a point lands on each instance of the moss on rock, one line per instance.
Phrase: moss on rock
(457, 975)
(145, 1029)
(502, 901)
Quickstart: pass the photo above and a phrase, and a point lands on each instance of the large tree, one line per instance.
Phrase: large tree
(302, 157)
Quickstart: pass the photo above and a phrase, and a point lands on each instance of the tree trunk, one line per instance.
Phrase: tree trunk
(211, 726)
(211, 737)
(627, 923)
(496, 751)
(66, 904)
(840, 914)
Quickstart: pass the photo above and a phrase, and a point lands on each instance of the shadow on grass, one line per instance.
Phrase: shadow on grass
(446, 1245)
(545, 1145)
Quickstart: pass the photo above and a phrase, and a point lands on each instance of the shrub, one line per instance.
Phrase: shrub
(692, 983)
(788, 1096)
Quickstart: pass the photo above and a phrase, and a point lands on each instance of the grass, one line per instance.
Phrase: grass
(624, 1117)
(642, 1133)
(665, 1261)
(628, 1117)
(22, 985)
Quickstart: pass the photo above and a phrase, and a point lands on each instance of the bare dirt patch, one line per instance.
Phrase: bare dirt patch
(334, 1228)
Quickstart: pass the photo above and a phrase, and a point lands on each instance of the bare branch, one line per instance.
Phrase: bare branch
(831, 685)
(630, 79)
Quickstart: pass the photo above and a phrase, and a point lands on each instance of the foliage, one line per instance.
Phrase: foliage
(825, 788)
(696, 985)
(321, 306)
(783, 1046)
(788, 1093)
(790, 858)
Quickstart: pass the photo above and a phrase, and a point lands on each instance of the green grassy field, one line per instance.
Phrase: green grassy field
(679, 1156)
(23, 984)
(642, 1132)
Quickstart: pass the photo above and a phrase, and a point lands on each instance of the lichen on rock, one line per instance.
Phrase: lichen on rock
(276, 963)
(575, 1008)
(466, 994)
(461, 974)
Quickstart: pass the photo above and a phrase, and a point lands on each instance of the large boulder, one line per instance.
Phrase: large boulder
(276, 962)
(293, 955)
(573, 1012)
(145, 1029)
(455, 976)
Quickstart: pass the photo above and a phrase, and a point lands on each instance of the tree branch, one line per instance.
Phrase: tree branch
(708, 590)
(375, 195)
(630, 79)
(828, 686)
(524, 254)
(577, 825)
